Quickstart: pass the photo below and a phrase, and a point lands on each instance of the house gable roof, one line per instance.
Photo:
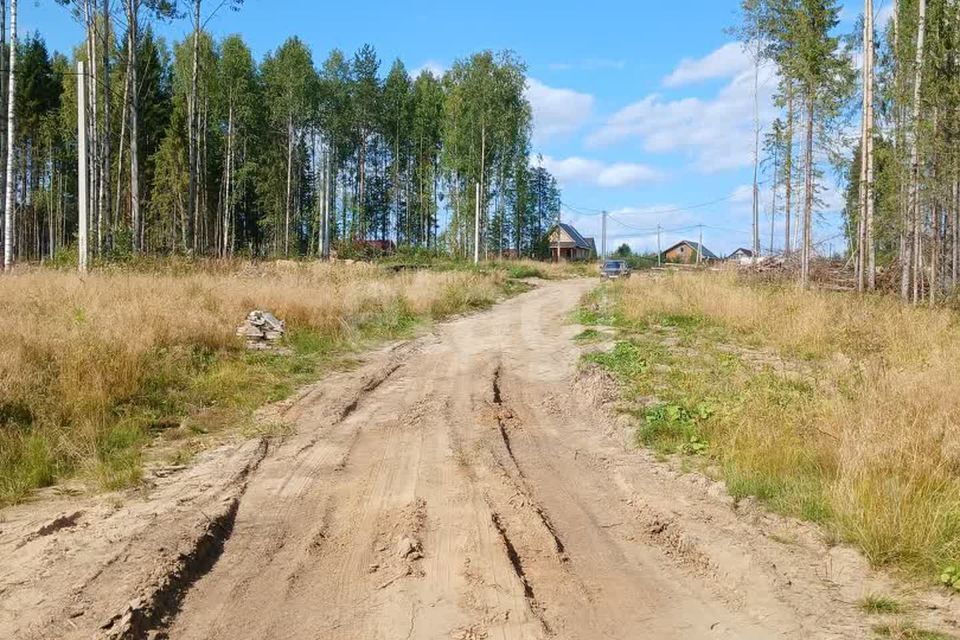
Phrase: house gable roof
(747, 253)
(579, 241)
(703, 251)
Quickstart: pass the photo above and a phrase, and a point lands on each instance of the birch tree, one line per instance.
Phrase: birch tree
(11, 130)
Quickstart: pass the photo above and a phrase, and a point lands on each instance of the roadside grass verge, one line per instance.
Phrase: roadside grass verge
(908, 631)
(838, 409)
(517, 269)
(94, 369)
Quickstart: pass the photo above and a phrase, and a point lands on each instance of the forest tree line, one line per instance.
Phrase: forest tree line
(196, 147)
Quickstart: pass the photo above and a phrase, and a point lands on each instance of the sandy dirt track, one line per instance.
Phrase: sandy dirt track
(466, 485)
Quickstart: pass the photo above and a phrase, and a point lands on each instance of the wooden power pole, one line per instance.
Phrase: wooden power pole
(476, 230)
(82, 202)
(603, 239)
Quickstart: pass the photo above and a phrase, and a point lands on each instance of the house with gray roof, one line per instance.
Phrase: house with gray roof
(572, 245)
(687, 252)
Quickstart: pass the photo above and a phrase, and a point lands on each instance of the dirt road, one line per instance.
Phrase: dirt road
(464, 486)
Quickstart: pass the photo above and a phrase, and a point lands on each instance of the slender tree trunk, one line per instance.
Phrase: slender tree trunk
(286, 225)
(871, 264)
(861, 244)
(954, 233)
(3, 85)
(192, 141)
(808, 194)
(106, 170)
(134, 119)
(773, 202)
(362, 186)
(481, 200)
(93, 130)
(227, 200)
(11, 130)
(788, 170)
(912, 217)
(756, 150)
(123, 136)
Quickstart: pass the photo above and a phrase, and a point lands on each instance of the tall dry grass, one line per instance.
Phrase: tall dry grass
(89, 366)
(877, 440)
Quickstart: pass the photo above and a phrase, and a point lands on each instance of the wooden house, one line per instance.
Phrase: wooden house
(686, 252)
(572, 245)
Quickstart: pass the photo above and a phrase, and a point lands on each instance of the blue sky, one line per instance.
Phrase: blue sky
(640, 106)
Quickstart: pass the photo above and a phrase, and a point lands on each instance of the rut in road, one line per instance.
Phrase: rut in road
(473, 491)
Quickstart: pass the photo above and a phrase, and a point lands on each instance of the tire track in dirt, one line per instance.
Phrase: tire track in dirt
(462, 487)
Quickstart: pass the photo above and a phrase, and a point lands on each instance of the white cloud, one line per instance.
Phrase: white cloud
(726, 62)
(577, 169)
(621, 174)
(557, 111)
(716, 131)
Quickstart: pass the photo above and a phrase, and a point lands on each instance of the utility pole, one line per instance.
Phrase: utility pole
(603, 240)
(659, 258)
(476, 230)
(82, 201)
(326, 203)
(700, 246)
(756, 150)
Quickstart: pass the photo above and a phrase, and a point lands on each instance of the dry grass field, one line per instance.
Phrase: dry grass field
(832, 407)
(93, 368)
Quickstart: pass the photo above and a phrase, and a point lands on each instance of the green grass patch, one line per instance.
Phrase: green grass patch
(626, 360)
(525, 271)
(589, 335)
(879, 604)
(908, 631)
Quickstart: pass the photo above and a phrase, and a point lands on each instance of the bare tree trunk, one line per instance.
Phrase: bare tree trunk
(756, 150)
(123, 135)
(808, 195)
(788, 170)
(3, 84)
(90, 42)
(202, 240)
(913, 206)
(871, 264)
(227, 208)
(192, 133)
(861, 244)
(286, 224)
(11, 129)
(105, 172)
(773, 202)
(133, 7)
(954, 233)
(481, 203)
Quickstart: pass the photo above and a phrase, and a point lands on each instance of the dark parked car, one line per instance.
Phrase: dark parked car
(613, 269)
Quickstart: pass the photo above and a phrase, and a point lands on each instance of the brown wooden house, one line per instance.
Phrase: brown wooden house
(686, 252)
(572, 245)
